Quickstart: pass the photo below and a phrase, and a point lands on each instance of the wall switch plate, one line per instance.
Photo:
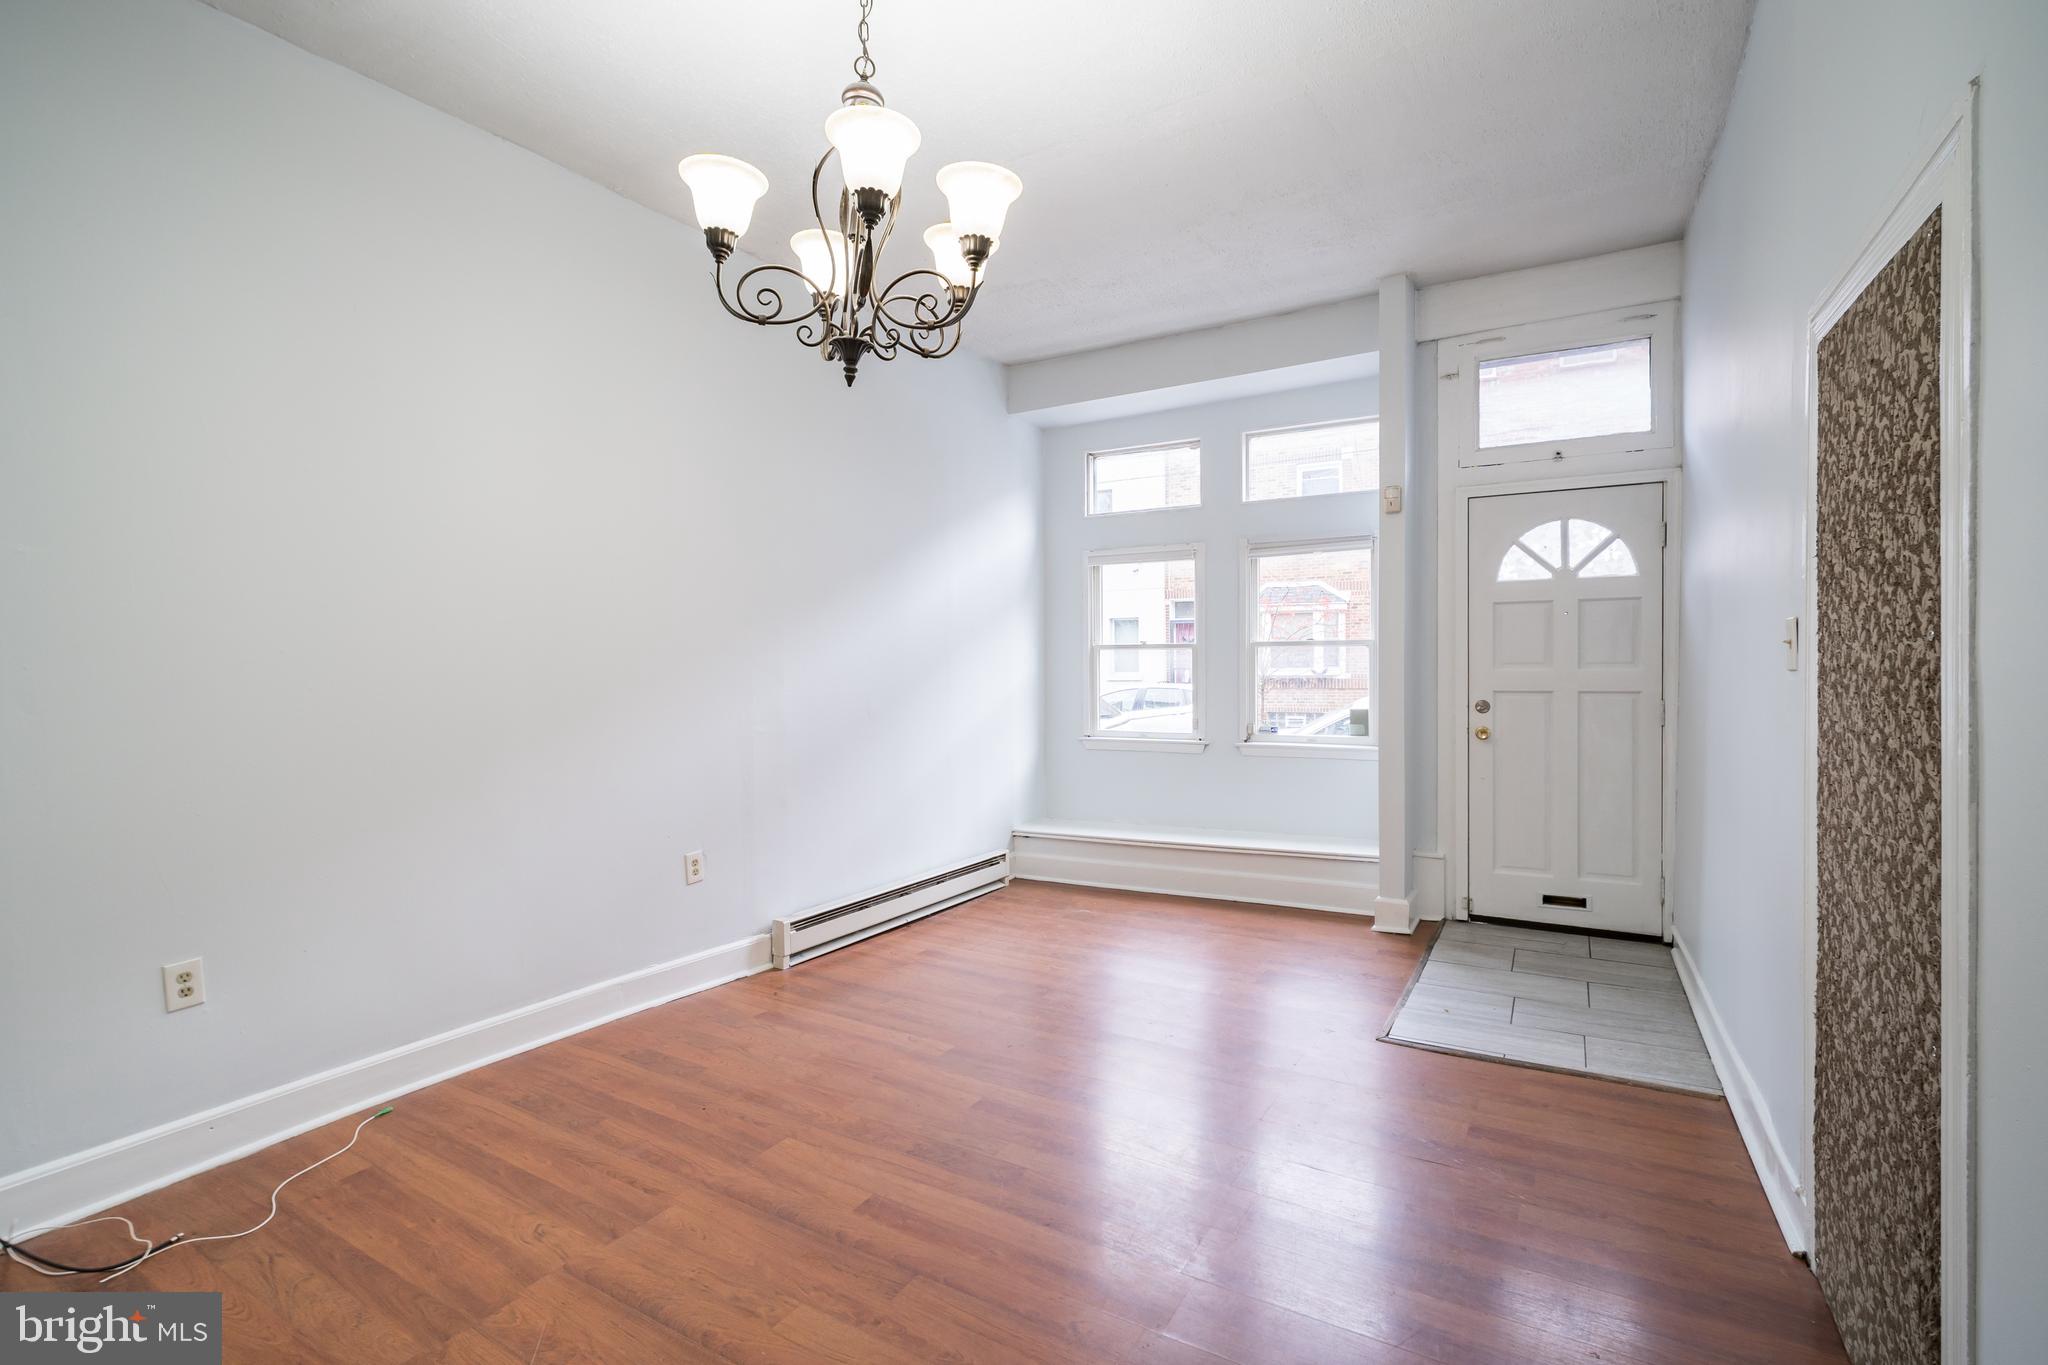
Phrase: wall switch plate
(184, 985)
(1390, 498)
(1790, 639)
(693, 867)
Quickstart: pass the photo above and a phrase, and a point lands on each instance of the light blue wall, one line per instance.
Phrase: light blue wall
(1837, 102)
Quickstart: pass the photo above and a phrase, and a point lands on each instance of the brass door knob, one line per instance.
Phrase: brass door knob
(1482, 733)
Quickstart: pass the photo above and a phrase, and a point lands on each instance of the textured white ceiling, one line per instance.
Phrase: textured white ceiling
(1185, 162)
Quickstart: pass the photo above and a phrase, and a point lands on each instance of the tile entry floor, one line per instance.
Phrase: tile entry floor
(1607, 1006)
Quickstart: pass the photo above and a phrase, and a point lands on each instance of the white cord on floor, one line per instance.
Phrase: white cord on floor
(231, 1236)
(20, 1259)
(158, 1249)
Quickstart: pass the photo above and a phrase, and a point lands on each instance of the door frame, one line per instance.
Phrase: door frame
(1944, 178)
(1454, 663)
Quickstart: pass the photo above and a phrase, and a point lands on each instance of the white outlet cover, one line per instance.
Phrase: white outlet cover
(184, 984)
(693, 867)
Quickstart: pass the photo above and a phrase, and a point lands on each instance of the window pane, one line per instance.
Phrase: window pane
(1314, 595)
(1139, 480)
(1315, 691)
(1140, 602)
(1159, 701)
(1305, 462)
(1565, 395)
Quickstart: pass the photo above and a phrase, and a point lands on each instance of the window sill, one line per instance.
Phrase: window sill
(1152, 746)
(1281, 748)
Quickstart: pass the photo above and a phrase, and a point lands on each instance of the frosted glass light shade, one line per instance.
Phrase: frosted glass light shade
(874, 144)
(979, 196)
(724, 190)
(946, 257)
(822, 257)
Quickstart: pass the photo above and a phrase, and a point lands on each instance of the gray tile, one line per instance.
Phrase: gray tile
(1499, 956)
(1494, 1040)
(1635, 1000)
(1631, 950)
(1530, 986)
(1515, 936)
(1660, 1065)
(1529, 962)
(1655, 1030)
(1484, 1006)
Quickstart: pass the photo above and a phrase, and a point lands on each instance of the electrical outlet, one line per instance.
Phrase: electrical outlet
(184, 985)
(1390, 498)
(693, 867)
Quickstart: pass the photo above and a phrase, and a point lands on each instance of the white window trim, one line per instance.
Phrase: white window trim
(1094, 649)
(1244, 458)
(1460, 409)
(1088, 478)
(1250, 740)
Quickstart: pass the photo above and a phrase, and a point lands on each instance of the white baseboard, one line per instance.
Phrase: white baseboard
(1393, 915)
(1306, 875)
(75, 1187)
(1779, 1176)
(1429, 898)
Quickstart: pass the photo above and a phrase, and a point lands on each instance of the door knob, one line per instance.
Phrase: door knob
(1482, 733)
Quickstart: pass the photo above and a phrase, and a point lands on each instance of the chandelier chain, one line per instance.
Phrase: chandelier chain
(864, 65)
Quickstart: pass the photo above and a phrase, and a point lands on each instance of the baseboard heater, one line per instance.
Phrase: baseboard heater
(827, 927)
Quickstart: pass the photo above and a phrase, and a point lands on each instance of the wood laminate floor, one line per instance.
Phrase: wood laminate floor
(1052, 1125)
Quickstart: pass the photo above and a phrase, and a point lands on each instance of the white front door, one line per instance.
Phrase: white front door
(1563, 724)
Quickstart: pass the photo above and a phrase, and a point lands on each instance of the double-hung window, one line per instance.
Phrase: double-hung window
(1309, 642)
(1143, 643)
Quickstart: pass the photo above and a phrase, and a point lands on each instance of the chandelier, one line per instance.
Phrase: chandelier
(832, 297)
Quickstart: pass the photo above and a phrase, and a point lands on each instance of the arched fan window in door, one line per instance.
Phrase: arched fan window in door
(1572, 547)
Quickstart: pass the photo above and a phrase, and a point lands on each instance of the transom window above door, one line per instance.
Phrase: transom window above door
(1571, 547)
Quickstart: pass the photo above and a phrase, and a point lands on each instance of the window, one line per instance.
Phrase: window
(1594, 386)
(1123, 663)
(1308, 631)
(1143, 634)
(1575, 547)
(1307, 462)
(1565, 395)
(1145, 478)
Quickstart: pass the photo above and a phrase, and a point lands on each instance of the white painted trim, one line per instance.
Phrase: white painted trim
(1398, 457)
(1212, 868)
(1429, 901)
(1458, 364)
(1649, 274)
(75, 1187)
(1393, 915)
(1145, 746)
(1774, 1169)
(1280, 748)
(1944, 177)
(1160, 836)
(1453, 623)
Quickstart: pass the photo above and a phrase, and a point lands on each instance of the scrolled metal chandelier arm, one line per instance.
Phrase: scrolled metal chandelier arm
(843, 311)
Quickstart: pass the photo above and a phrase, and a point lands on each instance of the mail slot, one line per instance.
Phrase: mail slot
(1566, 902)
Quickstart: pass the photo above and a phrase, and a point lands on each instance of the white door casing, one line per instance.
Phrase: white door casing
(1565, 630)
